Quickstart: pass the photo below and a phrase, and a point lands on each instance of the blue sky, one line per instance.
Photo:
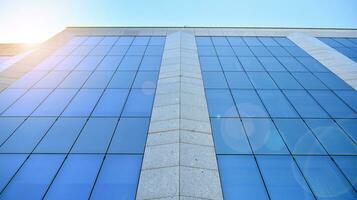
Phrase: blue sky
(37, 20)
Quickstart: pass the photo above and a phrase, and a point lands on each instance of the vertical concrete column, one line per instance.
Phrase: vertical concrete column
(179, 160)
(339, 64)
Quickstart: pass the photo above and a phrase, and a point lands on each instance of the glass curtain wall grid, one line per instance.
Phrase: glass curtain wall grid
(75, 126)
(284, 126)
(346, 46)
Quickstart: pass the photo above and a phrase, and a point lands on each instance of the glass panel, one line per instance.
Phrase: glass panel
(130, 136)
(99, 79)
(238, 80)
(111, 103)
(8, 125)
(261, 80)
(298, 137)
(249, 104)
(349, 126)
(229, 136)
(36, 175)
(348, 165)
(276, 104)
(251, 64)
(61, 136)
(332, 81)
(118, 177)
(110, 63)
(146, 80)
(75, 79)
(240, 178)
(309, 81)
(324, 178)
(285, 80)
(214, 80)
(83, 103)
(263, 136)
(13, 163)
(27, 136)
(9, 96)
(95, 136)
(230, 64)
(139, 103)
(76, 177)
(349, 97)
(283, 178)
(122, 79)
(220, 103)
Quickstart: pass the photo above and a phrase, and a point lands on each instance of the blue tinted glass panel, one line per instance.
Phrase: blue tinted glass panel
(348, 165)
(89, 63)
(268, 41)
(9, 96)
(249, 104)
(51, 80)
(139, 103)
(214, 80)
(332, 81)
(276, 104)
(34, 177)
(206, 51)
(349, 97)
(271, 64)
(157, 40)
(238, 80)
(278, 51)
(130, 136)
(99, 79)
(110, 63)
(285, 42)
(240, 178)
(305, 105)
(136, 50)
(291, 64)
(210, 64)
(61, 136)
(100, 50)
(203, 41)
(130, 63)
(146, 80)
(13, 163)
(69, 63)
(109, 40)
(332, 137)
(27, 103)
(75, 79)
(260, 51)
(309, 81)
(230, 64)
(251, 64)
(261, 80)
(220, 103)
(76, 177)
(111, 103)
(296, 51)
(332, 104)
(252, 41)
(285, 80)
(220, 41)
(242, 51)
(142, 40)
(263, 136)
(324, 178)
(55, 103)
(124, 40)
(236, 41)
(118, 50)
(27, 136)
(283, 178)
(95, 136)
(150, 63)
(122, 79)
(93, 40)
(224, 51)
(229, 136)
(298, 137)
(349, 126)
(83, 103)
(312, 64)
(82, 50)
(8, 126)
(118, 177)
(28, 80)
(49, 63)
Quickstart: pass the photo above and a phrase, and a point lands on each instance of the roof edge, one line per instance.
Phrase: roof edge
(214, 27)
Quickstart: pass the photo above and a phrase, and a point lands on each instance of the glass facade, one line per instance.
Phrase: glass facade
(284, 126)
(346, 46)
(75, 126)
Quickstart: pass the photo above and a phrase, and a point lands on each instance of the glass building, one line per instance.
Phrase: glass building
(182, 113)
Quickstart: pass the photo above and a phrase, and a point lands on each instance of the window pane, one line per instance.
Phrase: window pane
(214, 80)
(283, 178)
(324, 178)
(332, 104)
(348, 165)
(285, 80)
(110, 63)
(27, 103)
(298, 137)
(349, 126)
(83, 103)
(230, 64)
(34, 177)
(118, 177)
(261, 80)
(61, 136)
(249, 104)
(224, 51)
(240, 178)
(332, 137)
(9, 96)
(260, 51)
(271, 64)
(349, 97)
(251, 64)
(276, 104)
(52, 80)
(309, 81)
(27, 136)
(305, 105)
(75, 79)
(332, 81)
(220, 103)
(139, 103)
(69, 63)
(76, 177)
(111, 103)
(150, 63)
(292, 64)
(89, 63)
(8, 126)
(146, 80)
(95, 136)
(122, 79)
(263, 136)
(130, 136)
(130, 63)
(55, 103)
(210, 64)
(99, 79)
(242, 51)
(229, 136)
(312, 64)
(13, 163)
(28, 80)
(238, 80)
